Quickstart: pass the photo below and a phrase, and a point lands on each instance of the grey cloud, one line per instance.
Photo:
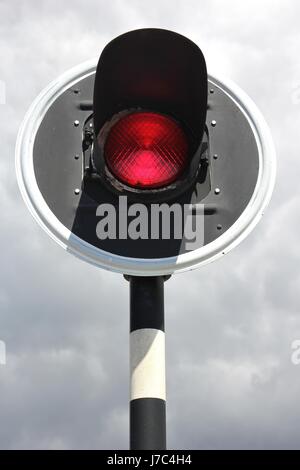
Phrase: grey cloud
(230, 325)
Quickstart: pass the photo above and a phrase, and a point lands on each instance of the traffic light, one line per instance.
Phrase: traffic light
(143, 163)
(149, 103)
(145, 150)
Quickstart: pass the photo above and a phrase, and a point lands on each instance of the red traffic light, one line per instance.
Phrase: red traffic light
(155, 81)
(146, 150)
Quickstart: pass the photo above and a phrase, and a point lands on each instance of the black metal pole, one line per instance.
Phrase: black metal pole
(147, 364)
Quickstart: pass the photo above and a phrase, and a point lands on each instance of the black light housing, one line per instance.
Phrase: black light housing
(154, 71)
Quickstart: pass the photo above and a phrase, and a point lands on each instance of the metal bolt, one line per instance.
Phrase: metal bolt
(77, 191)
(215, 156)
(217, 191)
(211, 91)
(76, 157)
(219, 227)
(213, 123)
(76, 123)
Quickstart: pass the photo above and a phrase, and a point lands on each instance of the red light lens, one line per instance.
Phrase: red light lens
(146, 150)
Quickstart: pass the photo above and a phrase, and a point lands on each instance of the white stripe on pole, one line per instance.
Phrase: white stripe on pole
(147, 364)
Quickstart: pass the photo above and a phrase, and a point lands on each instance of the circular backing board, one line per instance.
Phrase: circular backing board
(50, 168)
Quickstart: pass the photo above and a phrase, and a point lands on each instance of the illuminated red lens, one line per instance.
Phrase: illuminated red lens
(146, 150)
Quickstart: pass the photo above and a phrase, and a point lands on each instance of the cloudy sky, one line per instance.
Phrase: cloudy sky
(230, 325)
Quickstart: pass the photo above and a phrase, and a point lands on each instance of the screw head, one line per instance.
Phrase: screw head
(215, 156)
(219, 227)
(211, 91)
(76, 157)
(76, 123)
(77, 191)
(213, 123)
(217, 191)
